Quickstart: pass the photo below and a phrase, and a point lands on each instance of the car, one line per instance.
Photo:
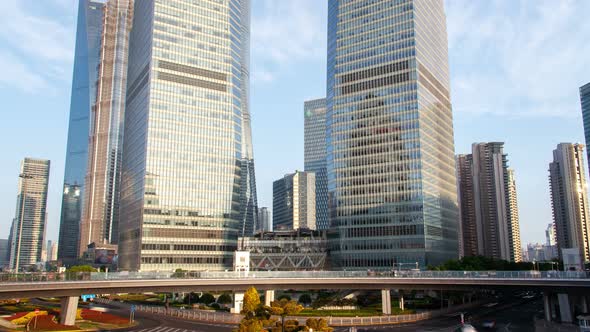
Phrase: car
(488, 324)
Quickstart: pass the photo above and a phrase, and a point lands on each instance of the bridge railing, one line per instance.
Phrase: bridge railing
(85, 276)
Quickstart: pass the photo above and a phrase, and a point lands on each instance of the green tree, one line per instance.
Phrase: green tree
(81, 268)
(318, 325)
(284, 296)
(207, 298)
(224, 298)
(285, 308)
(305, 299)
(256, 316)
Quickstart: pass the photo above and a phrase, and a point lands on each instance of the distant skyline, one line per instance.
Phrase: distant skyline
(516, 69)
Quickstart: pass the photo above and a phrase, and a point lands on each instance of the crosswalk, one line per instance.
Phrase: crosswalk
(174, 329)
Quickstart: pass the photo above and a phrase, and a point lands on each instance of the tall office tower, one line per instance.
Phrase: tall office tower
(264, 221)
(550, 235)
(293, 202)
(569, 199)
(392, 191)
(315, 155)
(84, 91)
(31, 206)
(4, 253)
(496, 210)
(585, 101)
(512, 218)
(51, 251)
(100, 211)
(468, 234)
(187, 136)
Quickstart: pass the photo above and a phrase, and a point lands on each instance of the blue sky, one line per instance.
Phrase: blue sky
(516, 67)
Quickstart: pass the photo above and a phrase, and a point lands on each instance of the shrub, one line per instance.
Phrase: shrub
(27, 317)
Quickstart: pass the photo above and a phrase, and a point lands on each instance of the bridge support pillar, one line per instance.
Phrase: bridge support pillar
(565, 309)
(238, 302)
(67, 315)
(547, 305)
(401, 301)
(386, 301)
(269, 296)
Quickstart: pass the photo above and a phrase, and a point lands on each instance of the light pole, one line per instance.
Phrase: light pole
(23, 176)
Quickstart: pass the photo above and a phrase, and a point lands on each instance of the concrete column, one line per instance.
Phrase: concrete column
(386, 301)
(565, 309)
(583, 304)
(547, 305)
(238, 302)
(401, 300)
(269, 296)
(67, 315)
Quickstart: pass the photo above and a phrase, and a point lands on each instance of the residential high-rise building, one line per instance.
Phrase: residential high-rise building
(293, 202)
(84, 91)
(264, 221)
(187, 188)
(392, 191)
(569, 199)
(315, 155)
(31, 205)
(51, 251)
(494, 203)
(550, 235)
(100, 205)
(585, 101)
(468, 235)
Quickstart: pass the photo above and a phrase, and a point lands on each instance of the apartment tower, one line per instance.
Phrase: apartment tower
(392, 190)
(569, 199)
(187, 188)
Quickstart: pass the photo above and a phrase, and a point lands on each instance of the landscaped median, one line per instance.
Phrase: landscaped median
(46, 318)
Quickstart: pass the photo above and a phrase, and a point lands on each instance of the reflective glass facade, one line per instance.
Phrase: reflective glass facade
(100, 217)
(315, 155)
(187, 135)
(391, 170)
(84, 87)
(585, 101)
(28, 229)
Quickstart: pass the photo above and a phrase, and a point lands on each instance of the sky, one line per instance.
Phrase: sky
(516, 69)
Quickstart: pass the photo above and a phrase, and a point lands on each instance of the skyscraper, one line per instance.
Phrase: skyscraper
(569, 199)
(488, 203)
(315, 155)
(392, 191)
(31, 206)
(468, 234)
(585, 101)
(293, 202)
(187, 151)
(264, 221)
(4, 253)
(84, 90)
(100, 213)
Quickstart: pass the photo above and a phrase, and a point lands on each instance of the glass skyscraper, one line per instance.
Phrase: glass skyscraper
(84, 87)
(585, 100)
(28, 229)
(391, 171)
(315, 155)
(187, 157)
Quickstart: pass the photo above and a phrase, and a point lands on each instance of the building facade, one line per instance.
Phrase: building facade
(187, 144)
(391, 171)
(468, 234)
(100, 205)
(569, 199)
(84, 91)
(4, 253)
(28, 228)
(315, 155)
(293, 202)
(264, 220)
(513, 219)
(585, 101)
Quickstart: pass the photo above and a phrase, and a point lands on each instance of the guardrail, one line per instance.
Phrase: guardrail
(81, 276)
(227, 318)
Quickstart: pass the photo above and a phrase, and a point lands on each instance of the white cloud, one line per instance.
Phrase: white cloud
(36, 49)
(286, 32)
(518, 58)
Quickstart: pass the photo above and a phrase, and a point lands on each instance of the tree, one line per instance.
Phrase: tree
(224, 298)
(305, 299)
(284, 296)
(318, 325)
(207, 298)
(256, 316)
(81, 268)
(285, 308)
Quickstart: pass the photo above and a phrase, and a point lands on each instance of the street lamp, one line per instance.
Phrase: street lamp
(23, 176)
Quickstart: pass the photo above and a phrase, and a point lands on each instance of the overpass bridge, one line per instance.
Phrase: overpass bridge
(558, 287)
